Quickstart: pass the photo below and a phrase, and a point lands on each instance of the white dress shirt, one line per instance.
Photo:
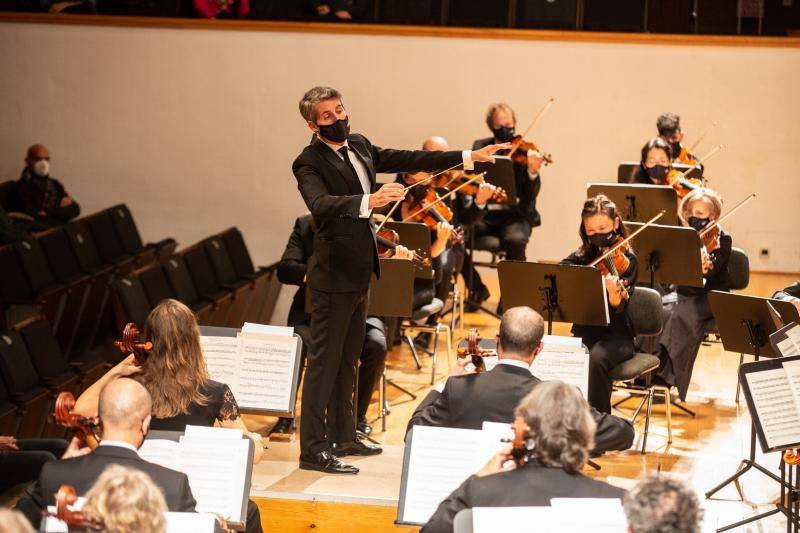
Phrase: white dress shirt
(119, 444)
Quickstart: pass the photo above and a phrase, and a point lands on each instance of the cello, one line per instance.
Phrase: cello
(131, 343)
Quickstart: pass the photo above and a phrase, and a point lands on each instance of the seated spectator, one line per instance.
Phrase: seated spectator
(212, 9)
(21, 460)
(560, 435)
(466, 401)
(125, 500)
(660, 505)
(8, 231)
(124, 410)
(13, 522)
(39, 195)
(342, 10)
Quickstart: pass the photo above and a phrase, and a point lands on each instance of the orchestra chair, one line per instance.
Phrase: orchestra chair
(26, 392)
(210, 288)
(10, 418)
(462, 521)
(647, 318)
(416, 324)
(185, 292)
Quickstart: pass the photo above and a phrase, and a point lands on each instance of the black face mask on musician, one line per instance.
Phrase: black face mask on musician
(657, 173)
(603, 240)
(504, 134)
(336, 132)
(676, 149)
(699, 224)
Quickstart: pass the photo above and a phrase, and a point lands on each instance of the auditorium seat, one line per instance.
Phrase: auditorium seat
(155, 283)
(108, 242)
(22, 382)
(209, 287)
(85, 248)
(207, 312)
(7, 195)
(132, 241)
(130, 302)
(9, 413)
(226, 274)
(52, 367)
(266, 299)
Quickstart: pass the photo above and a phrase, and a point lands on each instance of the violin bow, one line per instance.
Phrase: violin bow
(703, 136)
(441, 199)
(726, 215)
(703, 159)
(406, 189)
(627, 239)
(532, 124)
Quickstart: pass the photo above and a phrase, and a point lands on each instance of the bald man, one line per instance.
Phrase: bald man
(39, 195)
(124, 411)
(467, 400)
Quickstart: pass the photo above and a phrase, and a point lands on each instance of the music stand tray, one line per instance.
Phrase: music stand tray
(563, 293)
(627, 169)
(640, 202)
(501, 174)
(415, 236)
(668, 254)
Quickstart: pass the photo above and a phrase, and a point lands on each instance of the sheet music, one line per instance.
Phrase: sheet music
(440, 460)
(560, 343)
(520, 519)
(774, 402)
(266, 370)
(791, 344)
(570, 367)
(189, 522)
(159, 451)
(264, 329)
(599, 515)
(222, 359)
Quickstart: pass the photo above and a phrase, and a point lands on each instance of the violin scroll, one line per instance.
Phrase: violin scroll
(474, 351)
(86, 429)
(75, 520)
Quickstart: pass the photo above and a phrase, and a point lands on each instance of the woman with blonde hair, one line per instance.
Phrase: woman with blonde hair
(125, 500)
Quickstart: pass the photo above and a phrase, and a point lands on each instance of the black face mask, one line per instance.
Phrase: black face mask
(603, 240)
(504, 134)
(676, 149)
(336, 132)
(699, 224)
(657, 173)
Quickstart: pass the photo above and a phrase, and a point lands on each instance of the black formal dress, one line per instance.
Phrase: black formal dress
(690, 319)
(292, 270)
(82, 472)
(608, 345)
(339, 272)
(33, 194)
(532, 485)
(493, 396)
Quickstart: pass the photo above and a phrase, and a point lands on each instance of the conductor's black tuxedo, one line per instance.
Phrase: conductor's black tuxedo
(467, 401)
(82, 472)
(344, 258)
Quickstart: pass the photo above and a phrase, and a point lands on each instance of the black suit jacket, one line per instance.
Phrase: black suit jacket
(467, 401)
(527, 189)
(792, 292)
(293, 266)
(345, 253)
(82, 472)
(532, 485)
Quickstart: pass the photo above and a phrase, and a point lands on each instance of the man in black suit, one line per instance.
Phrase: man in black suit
(466, 401)
(559, 435)
(292, 270)
(790, 294)
(124, 411)
(336, 175)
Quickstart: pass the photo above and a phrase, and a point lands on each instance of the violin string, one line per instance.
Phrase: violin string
(442, 198)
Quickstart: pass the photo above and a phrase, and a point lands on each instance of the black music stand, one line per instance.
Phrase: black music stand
(564, 293)
(668, 254)
(627, 169)
(745, 324)
(415, 236)
(639, 202)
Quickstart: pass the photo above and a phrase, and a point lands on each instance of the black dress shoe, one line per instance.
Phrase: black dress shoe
(355, 448)
(477, 297)
(326, 462)
(363, 426)
(284, 425)
(423, 340)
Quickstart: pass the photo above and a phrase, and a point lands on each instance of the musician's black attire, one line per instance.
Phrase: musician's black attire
(344, 259)
(790, 293)
(608, 345)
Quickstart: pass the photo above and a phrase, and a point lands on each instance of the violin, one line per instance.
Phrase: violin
(456, 178)
(388, 240)
(681, 183)
(86, 429)
(75, 520)
(519, 445)
(474, 351)
(711, 239)
(617, 263)
(130, 343)
(520, 149)
(427, 207)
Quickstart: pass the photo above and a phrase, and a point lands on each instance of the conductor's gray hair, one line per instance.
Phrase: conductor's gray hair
(662, 505)
(314, 96)
(561, 427)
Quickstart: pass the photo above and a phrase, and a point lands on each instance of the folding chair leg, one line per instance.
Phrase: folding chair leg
(435, 351)
(647, 420)
(410, 342)
(638, 409)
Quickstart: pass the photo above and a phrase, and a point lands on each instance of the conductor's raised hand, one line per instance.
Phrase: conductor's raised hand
(388, 193)
(485, 154)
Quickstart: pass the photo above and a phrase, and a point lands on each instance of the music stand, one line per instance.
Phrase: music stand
(668, 254)
(744, 324)
(415, 236)
(501, 174)
(640, 202)
(564, 293)
(627, 170)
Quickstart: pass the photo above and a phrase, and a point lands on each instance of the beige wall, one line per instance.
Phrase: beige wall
(196, 130)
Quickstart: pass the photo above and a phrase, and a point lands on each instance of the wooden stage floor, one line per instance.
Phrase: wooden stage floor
(705, 450)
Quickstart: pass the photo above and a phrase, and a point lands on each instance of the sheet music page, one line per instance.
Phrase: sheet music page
(792, 369)
(570, 367)
(264, 329)
(440, 460)
(206, 432)
(519, 519)
(560, 343)
(787, 347)
(775, 406)
(222, 359)
(599, 515)
(605, 300)
(160, 451)
(266, 371)
(189, 522)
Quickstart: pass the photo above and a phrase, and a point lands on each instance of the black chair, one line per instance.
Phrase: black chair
(207, 313)
(52, 367)
(155, 284)
(20, 378)
(265, 293)
(130, 302)
(253, 287)
(132, 241)
(209, 288)
(108, 242)
(9, 413)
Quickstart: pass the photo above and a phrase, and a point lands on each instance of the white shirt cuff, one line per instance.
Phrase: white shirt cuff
(364, 211)
(466, 156)
(533, 176)
(439, 387)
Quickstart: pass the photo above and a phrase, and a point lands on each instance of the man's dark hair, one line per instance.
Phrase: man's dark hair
(668, 123)
(661, 144)
(521, 330)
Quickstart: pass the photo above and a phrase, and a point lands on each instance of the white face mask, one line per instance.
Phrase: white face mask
(41, 168)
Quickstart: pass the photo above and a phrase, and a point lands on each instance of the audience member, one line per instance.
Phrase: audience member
(41, 196)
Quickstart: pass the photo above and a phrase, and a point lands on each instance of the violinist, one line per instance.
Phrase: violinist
(691, 317)
(669, 129)
(558, 434)
(468, 399)
(600, 229)
(656, 168)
